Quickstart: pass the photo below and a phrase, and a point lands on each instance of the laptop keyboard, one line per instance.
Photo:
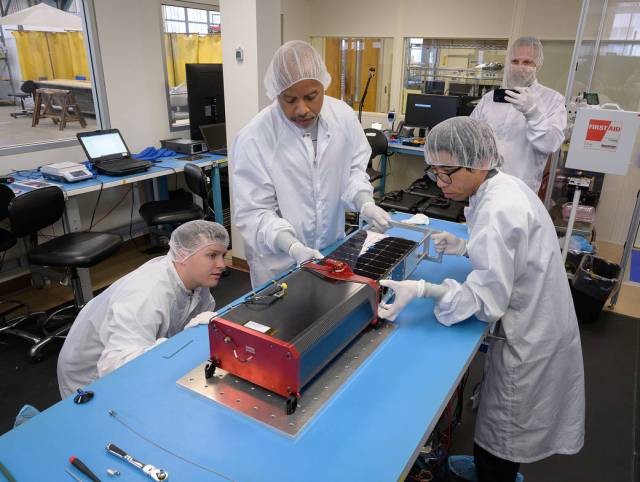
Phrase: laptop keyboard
(122, 164)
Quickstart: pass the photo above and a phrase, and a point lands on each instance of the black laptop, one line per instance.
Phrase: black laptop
(109, 154)
(215, 135)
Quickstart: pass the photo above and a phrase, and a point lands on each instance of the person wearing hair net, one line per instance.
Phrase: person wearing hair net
(530, 126)
(145, 307)
(297, 166)
(532, 397)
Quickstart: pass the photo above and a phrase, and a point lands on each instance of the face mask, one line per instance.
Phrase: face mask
(519, 76)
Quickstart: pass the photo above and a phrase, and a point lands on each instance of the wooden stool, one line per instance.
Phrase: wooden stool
(58, 104)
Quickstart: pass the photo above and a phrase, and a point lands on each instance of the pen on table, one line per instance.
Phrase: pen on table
(77, 463)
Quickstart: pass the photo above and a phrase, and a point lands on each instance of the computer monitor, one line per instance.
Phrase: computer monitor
(103, 145)
(467, 104)
(456, 88)
(434, 87)
(205, 94)
(426, 111)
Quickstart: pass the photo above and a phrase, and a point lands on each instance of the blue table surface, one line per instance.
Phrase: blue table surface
(164, 164)
(368, 430)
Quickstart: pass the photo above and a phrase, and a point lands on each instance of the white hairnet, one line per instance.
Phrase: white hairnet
(190, 237)
(470, 142)
(294, 61)
(524, 48)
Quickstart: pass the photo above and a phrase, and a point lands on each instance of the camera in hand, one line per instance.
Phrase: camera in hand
(499, 95)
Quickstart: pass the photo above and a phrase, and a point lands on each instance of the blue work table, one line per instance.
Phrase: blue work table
(371, 429)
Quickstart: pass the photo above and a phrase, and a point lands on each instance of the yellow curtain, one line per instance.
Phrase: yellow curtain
(184, 49)
(168, 49)
(33, 55)
(60, 55)
(79, 57)
(51, 55)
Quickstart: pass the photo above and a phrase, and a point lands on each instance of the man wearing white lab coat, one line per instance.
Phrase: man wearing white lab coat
(530, 126)
(145, 307)
(532, 397)
(297, 166)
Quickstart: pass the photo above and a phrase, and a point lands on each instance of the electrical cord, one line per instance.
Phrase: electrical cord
(117, 418)
(131, 219)
(106, 215)
(96, 206)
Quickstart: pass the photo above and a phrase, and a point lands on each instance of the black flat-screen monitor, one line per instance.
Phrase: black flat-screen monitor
(456, 88)
(205, 93)
(434, 87)
(467, 104)
(426, 111)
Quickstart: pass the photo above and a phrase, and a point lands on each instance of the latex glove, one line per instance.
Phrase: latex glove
(201, 319)
(447, 243)
(524, 100)
(405, 292)
(376, 216)
(302, 253)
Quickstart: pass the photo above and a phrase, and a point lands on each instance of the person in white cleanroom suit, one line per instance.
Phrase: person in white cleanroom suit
(531, 125)
(297, 166)
(532, 398)
(145, 307)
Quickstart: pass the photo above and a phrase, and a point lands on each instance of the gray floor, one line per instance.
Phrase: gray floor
(19, 131)
(610, 349)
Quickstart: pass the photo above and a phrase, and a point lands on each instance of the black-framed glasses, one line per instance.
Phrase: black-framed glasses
(444, 176)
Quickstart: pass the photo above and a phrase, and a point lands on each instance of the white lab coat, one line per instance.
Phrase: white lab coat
(526, 145)
(278, 184)
(134, 314)
(532, 397)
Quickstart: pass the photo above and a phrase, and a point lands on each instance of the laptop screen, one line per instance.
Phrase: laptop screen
(104, 145)
(215, 135)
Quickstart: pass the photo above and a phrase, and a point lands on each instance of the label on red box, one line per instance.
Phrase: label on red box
(603, 134)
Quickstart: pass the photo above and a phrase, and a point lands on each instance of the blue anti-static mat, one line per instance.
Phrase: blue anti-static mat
(634, 272)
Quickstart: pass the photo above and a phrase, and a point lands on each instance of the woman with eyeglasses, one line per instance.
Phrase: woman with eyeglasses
(532, 397)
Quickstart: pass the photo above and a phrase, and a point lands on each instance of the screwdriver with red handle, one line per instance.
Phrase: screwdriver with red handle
(78, 464)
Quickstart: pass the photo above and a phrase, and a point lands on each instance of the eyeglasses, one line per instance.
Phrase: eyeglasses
(444, 176)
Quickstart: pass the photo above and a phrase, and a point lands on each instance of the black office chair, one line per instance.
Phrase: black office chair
(379, 145)
(8, 326)
(196, 181)
(38, 209)
(28, 87)
(170, 211)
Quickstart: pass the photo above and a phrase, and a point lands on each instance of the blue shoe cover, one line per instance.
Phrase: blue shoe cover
(463, 467)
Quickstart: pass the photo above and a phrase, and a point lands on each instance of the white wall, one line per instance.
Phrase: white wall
(254, 26)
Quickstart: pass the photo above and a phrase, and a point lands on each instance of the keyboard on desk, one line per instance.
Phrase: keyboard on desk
(121, 167)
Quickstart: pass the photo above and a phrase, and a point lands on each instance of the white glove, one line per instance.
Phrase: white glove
(447, 243)
(376, 216)
(302, 253)
(405, 292)
(201, 319)
(524, 100)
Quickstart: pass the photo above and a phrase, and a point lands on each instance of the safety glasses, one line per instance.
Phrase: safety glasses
(443, 175)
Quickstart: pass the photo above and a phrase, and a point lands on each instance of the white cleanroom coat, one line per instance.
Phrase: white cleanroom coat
(135, 313)
(525, 144)
(279, 185)
(532, 397)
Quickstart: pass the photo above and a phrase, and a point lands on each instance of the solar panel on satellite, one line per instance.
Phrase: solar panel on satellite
(378, 260)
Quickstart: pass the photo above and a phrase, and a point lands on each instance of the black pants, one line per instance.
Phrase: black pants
(493, 469)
